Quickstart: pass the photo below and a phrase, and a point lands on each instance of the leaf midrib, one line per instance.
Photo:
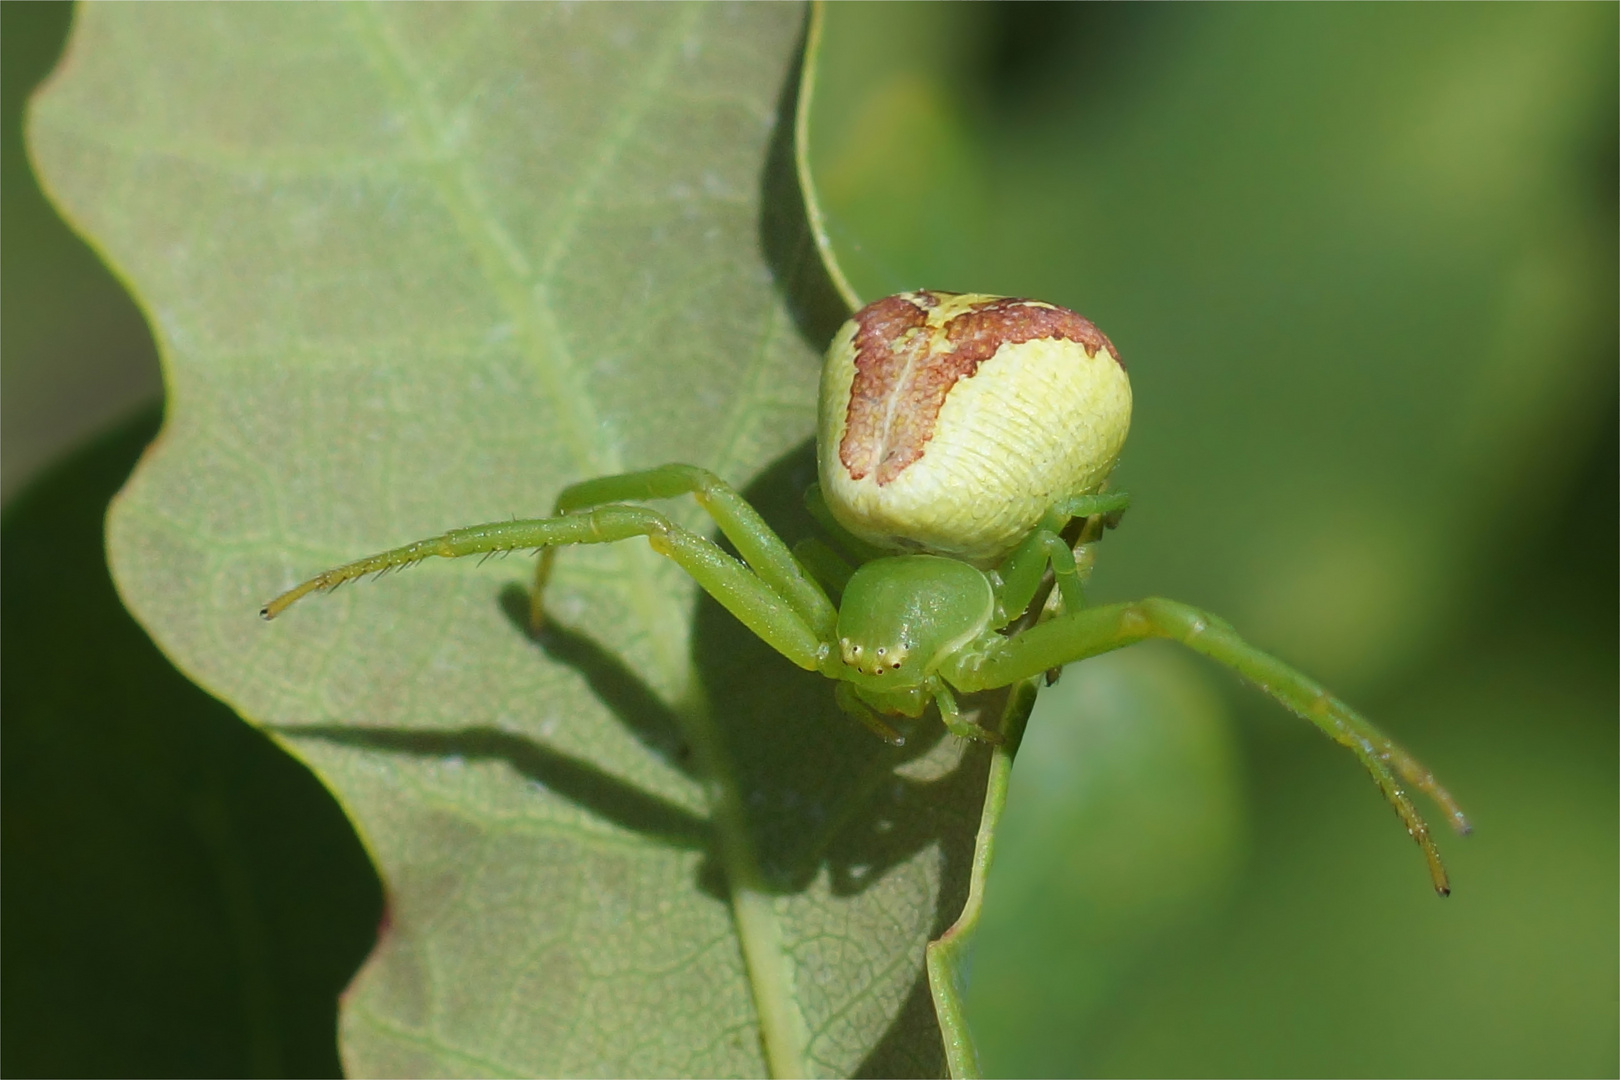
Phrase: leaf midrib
(524, 298)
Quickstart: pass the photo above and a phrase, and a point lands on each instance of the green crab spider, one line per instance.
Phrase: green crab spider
(964, 447)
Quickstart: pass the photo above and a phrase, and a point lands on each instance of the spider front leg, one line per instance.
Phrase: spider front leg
(739, 522)
(740, 591)
(1079, 634)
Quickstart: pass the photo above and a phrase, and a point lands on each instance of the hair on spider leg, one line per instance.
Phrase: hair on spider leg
(396, 568)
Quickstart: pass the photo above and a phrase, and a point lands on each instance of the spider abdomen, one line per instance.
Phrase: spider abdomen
(950, 423)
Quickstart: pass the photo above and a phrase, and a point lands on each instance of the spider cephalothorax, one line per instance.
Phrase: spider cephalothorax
(965, 444)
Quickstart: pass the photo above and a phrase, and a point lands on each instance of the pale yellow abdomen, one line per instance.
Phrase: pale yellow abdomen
(952, 423)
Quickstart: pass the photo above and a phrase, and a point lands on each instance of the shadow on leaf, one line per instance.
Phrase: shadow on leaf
(579, 781)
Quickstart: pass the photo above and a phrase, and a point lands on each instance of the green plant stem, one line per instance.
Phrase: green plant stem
(948, 957)
(801, 140)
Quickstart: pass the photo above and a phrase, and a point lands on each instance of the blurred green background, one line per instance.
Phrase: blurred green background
(1360, 261)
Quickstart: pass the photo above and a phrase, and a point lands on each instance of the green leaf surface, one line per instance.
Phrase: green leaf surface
(412, 267)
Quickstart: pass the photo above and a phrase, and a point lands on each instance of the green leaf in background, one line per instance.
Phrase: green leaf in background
(1124, 816)
(1361, 263)
(1358, 267)
(412, 267)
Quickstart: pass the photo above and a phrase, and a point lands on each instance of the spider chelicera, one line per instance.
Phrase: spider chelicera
(964, 447)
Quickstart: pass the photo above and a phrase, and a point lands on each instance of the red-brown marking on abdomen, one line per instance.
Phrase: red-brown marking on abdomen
(1011, 321)
(904, 370)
